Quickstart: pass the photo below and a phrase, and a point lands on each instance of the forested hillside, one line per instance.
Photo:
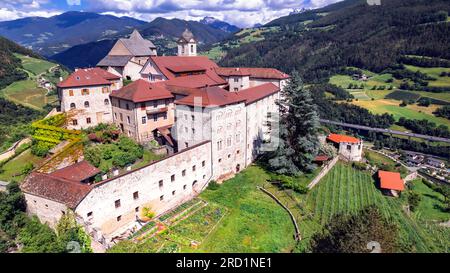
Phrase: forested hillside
(10, 66)
(319, 44)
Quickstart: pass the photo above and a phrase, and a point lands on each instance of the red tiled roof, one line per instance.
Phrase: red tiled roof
(164, 62)
(391, 181)
(256, 93)
(254, 72)
(215, 96)
(77, 172)
(196, 81)
(54, 188)
(342, 139)
(88, 77)
(142, 90)
(185, 68)
(211, 96)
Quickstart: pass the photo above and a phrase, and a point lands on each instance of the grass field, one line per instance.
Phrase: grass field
(36, 66)
(236, 217)
(346, 190)
(431, 203)
(380, 160)
(433, 72)
(381, 106)
(12, 169)
(27, 93)
(254, 223)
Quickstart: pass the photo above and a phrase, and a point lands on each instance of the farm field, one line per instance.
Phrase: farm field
(433, 72)
(410, 111)
(346, 190)
(27, 93)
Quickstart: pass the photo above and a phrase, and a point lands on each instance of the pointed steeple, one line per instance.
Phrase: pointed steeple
(187, 35)
(135, 35)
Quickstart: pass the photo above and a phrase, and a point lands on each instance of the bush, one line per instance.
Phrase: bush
(41, 148)
(359, 166)
(413, 200)
(27, 168)
(213, 185)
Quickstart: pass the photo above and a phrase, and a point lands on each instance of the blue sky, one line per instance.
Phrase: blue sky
(239, 12)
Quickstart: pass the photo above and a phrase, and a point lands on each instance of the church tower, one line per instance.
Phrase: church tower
(187, 45)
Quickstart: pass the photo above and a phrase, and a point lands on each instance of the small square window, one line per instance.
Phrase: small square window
(173, 192)
(136, 209)
(88, 120)
(89, 214)
(194, 168)
(229, 155)
(161, 183)
(203, 163)
(161, 198)
(117, 203)
(184, 187)
(220, 160)
(172, 177)
(136, 195)
(119, 218)
(183, 172)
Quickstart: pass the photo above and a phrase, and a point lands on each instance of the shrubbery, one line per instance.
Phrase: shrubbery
(41, 148)
(121, 153)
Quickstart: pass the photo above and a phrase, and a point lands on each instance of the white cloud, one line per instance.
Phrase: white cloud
(7, 14)
(243, 13)
(73, 2)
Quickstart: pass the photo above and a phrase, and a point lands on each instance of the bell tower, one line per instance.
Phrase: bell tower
(187, 45)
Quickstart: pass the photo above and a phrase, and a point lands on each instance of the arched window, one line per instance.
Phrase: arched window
(106, 102)
(86, 104)
(72, 106)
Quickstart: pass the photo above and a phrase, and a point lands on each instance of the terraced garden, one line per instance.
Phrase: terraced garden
(346, 190)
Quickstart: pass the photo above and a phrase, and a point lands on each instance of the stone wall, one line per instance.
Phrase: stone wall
(183, 175)
(46, 210)
(12, 150)
(351, 151)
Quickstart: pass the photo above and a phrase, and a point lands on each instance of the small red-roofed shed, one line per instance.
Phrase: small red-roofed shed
(391, 182)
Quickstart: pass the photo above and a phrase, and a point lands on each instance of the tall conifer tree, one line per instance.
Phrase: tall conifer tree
(299, 123)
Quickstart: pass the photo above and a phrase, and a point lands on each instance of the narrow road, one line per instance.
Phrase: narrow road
(388, 131)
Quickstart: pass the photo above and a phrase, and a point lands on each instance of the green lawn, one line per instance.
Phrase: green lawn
(254, 223)
(431, 204)
(12, 169)
(237, 217)
(36, 66)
